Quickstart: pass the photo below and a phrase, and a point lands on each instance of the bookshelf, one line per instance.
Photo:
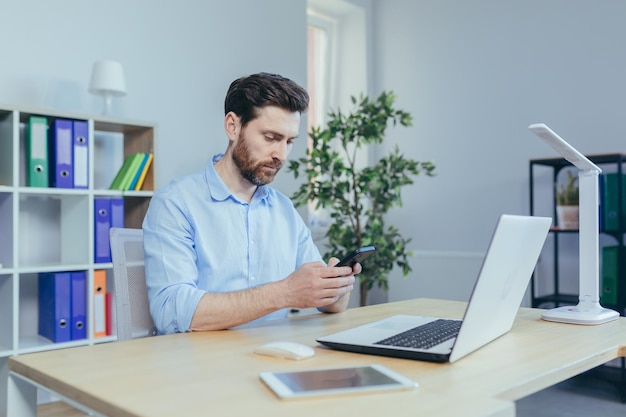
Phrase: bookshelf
(48, 229)
(557, 284)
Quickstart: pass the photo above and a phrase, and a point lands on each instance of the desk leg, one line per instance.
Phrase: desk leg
(623, 383)
(21, 397)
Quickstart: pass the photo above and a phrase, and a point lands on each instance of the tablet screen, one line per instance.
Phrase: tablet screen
(334, 381)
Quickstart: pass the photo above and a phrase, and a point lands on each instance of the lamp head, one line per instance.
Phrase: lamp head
(107, 80)
(566, 150)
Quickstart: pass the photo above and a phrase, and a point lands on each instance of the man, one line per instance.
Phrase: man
(222, 248)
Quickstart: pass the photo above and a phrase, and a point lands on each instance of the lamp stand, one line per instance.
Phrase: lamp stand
(588, 310)
(106, 106)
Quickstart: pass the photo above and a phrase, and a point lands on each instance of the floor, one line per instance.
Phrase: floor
(595, 393)
(58, 409)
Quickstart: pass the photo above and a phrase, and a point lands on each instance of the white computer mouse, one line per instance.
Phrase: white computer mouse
(287, 350)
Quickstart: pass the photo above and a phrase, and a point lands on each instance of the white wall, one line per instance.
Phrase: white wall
(474, 75)
(179, 59)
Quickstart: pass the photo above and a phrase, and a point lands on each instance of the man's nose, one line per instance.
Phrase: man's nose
(281, 149)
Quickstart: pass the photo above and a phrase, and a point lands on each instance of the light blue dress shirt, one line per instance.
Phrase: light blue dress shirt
(199, 237)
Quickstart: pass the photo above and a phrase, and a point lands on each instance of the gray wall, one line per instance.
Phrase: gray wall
(475, 75)
(178, 57)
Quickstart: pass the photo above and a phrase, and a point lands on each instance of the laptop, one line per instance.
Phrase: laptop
(498, 292)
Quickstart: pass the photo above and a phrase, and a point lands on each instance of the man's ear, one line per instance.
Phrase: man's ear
(232, 126)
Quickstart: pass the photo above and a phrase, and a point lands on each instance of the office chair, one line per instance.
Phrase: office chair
(131, 296)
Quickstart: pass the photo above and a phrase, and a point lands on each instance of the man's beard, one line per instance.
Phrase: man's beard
(255, 173)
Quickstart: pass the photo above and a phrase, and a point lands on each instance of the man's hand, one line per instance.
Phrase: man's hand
(315, 285)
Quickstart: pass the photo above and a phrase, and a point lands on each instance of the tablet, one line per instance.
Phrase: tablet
(331, 381)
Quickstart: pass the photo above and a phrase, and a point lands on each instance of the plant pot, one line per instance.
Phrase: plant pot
(567, 217)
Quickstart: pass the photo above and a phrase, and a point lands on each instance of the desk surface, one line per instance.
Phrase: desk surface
(198, 374)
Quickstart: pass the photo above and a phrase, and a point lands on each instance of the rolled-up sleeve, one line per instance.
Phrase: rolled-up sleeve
(170, 262)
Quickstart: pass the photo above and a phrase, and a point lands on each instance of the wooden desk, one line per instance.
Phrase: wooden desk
(216, 373)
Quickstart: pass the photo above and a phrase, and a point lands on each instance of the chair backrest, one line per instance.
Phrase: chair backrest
(131, 296)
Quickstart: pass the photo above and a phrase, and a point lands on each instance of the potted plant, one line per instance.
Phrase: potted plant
(567, 202)
(358, 198)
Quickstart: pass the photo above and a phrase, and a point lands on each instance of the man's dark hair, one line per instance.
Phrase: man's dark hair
(247, 94)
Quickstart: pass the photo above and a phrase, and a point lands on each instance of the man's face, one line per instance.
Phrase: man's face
(263, 145)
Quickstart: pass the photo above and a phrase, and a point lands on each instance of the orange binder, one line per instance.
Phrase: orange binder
(99, 302)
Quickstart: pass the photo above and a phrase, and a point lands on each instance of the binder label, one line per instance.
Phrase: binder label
(39, 149)
(80, 175)
(99, 320)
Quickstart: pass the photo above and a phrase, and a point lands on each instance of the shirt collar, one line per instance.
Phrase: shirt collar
(218, 189)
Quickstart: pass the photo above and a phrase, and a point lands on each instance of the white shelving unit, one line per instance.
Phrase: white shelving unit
(52, 229)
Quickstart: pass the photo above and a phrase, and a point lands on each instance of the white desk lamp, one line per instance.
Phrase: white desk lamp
(588, 310)
(107, 80)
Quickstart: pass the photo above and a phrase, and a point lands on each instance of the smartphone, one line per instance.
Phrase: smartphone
(357, 256)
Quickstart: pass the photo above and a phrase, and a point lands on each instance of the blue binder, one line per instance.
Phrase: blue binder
(54, 306)
(102, 224)
(80, 140)
(79, 305)
(117, 212)
(61, 155)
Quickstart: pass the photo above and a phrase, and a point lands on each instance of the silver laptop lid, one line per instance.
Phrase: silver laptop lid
(504, 276)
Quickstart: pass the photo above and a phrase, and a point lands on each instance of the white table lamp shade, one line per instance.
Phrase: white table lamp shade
(107, 76)
(107, 80)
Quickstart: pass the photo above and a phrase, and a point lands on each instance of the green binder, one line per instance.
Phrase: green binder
(37, 152)
(610, 202)
(610, 277)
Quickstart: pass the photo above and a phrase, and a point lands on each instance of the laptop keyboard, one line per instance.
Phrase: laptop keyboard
(425, 336)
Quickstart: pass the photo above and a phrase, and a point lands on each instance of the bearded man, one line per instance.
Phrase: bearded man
(223, 248)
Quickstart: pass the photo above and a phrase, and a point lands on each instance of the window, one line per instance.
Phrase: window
(319, 45)
(336, 68)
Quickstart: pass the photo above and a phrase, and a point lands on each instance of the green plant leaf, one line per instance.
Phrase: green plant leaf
(357, 198)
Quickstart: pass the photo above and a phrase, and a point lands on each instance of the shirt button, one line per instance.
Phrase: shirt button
(252, 278)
